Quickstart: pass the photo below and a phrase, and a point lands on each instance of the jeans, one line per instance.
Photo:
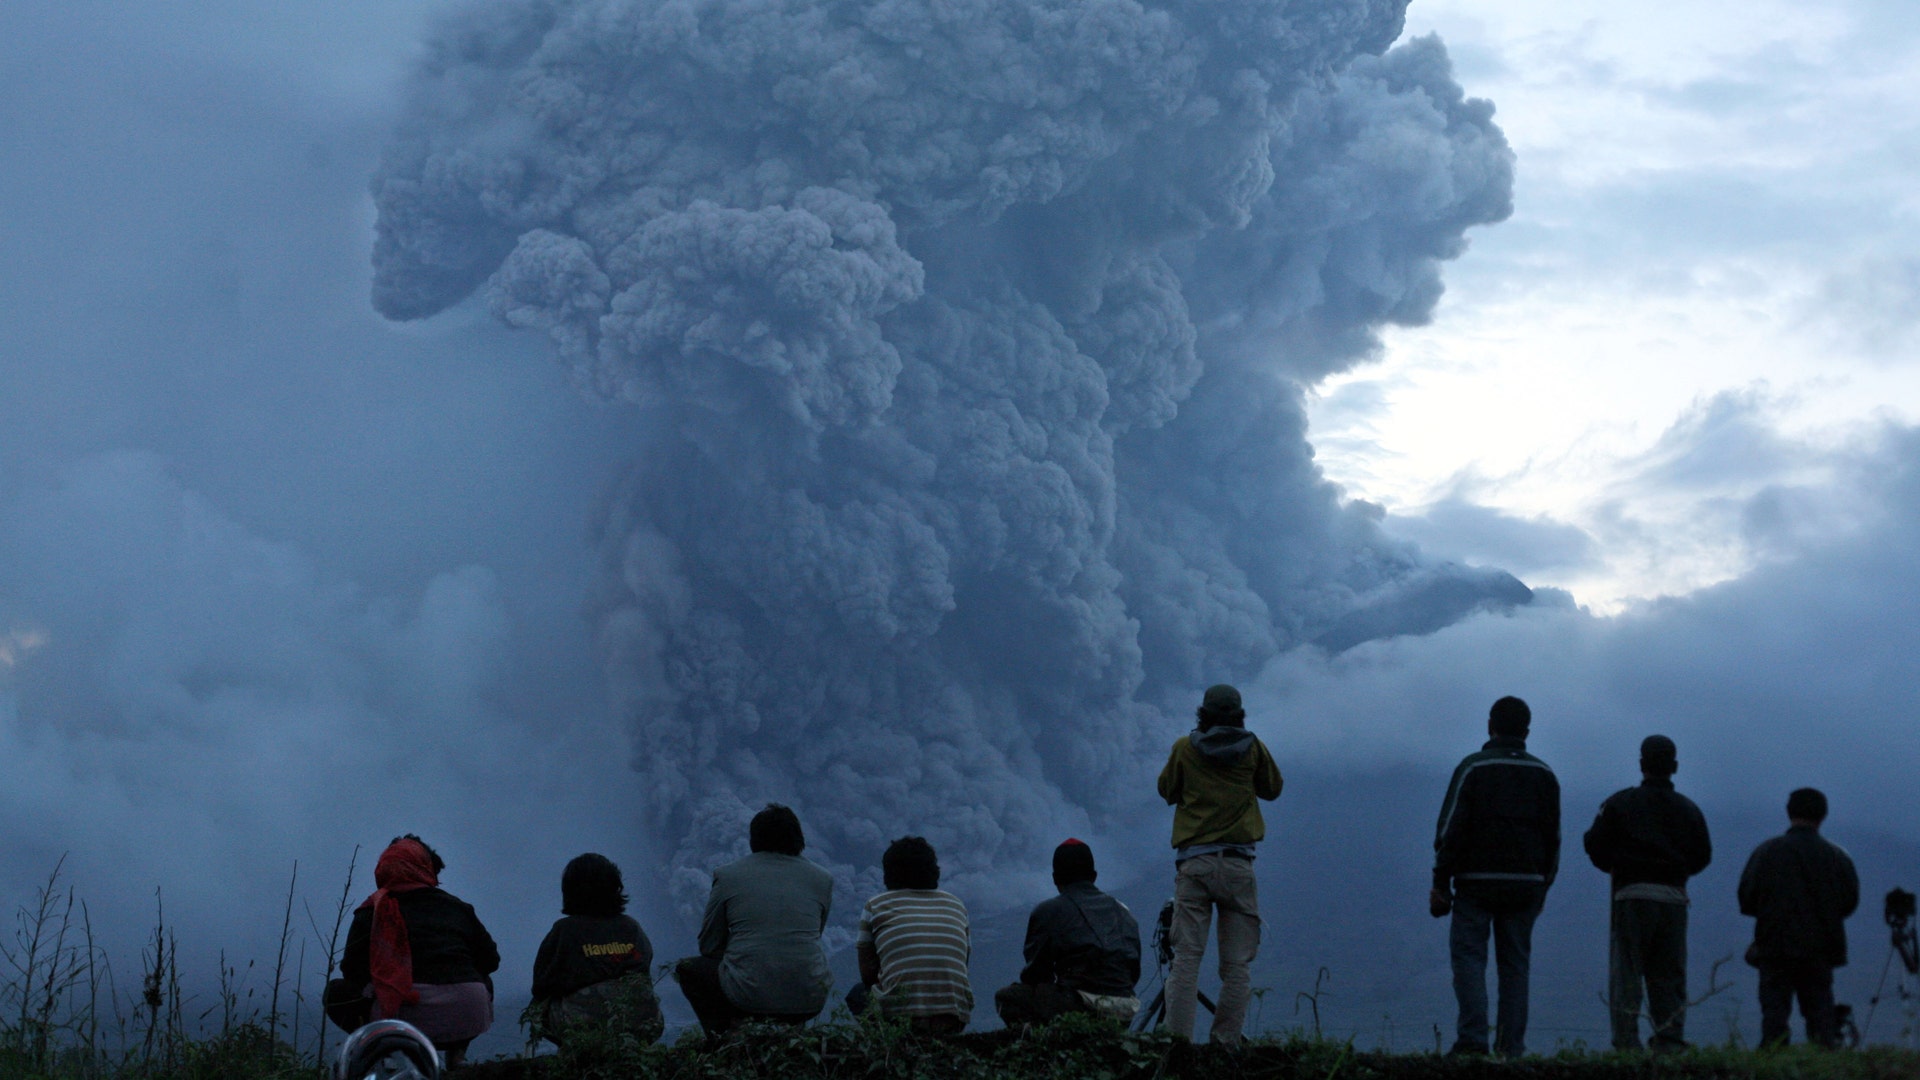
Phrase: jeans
(1512, 932)
(1201, 885)
(1649, 942)
(1812, 983)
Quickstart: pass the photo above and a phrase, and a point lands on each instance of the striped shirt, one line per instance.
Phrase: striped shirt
(921, 939)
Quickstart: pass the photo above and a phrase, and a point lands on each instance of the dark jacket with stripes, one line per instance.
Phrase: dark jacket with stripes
(1499, 835)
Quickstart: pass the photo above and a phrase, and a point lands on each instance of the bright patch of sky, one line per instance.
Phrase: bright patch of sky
(1709, 289)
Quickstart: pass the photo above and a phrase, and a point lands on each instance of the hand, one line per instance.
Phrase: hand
(1439, 903)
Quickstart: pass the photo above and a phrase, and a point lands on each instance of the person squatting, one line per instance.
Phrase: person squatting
(417, 953)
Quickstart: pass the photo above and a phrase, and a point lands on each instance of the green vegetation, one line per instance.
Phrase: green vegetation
(1078, 1048)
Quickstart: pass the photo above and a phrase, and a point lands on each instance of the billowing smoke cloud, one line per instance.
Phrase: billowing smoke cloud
(971, 338)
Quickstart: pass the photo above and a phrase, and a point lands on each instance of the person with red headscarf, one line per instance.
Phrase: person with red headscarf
(418, 953)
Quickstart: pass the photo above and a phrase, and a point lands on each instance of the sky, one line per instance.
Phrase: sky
(1713, 217)
(280, 576)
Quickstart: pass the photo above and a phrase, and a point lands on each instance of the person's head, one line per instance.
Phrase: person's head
(1220, 705)
(407, 861)
(1073, 863)
(776, 829)
(1510, 718)
(1807, 806)
(591, 885)
(1658, 756)
(910, 863)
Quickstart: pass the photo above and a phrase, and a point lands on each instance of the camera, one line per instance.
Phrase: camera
(1900, 907)
(1163, 934)
(1900, 919)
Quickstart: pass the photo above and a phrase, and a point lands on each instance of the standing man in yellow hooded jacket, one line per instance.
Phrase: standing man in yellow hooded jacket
(1213, 779)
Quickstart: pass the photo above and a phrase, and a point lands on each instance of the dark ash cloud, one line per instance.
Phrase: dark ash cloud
(970, 339)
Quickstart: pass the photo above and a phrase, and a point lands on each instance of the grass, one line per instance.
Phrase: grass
(64, 1014)
(1077, 1048)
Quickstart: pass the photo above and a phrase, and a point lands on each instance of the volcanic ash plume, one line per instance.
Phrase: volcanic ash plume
(972, 336)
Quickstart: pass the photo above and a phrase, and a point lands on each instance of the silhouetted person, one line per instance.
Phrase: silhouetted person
(914, 943)
(760, 955)
(1082, 951)
(1799, 888)
(1496, 852)
(1214, 779)
(593, 966)
(1651, 839)
(421, 953)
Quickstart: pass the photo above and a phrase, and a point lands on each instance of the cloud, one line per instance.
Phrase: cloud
(1791, 674)
(208, 706)
(971, 340)
(1872, 308)
(1457, 528)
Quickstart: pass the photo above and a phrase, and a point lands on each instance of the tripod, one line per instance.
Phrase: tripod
(1156, 1011)
(1900, 914)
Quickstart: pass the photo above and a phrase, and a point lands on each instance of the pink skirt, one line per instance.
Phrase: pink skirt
(449, 1012)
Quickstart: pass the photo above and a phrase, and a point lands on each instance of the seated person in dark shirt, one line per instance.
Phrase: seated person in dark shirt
(1083, 950)
(593, 966)
(416, 953)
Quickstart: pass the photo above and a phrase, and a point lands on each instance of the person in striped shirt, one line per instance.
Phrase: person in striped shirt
(914, 945)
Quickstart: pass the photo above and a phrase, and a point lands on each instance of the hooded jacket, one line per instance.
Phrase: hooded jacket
(1214, 779)
(1799, 888)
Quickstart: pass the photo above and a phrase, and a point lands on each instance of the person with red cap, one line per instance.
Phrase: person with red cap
(417, 953)
(1082, 951)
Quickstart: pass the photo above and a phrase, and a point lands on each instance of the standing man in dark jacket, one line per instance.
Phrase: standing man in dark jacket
(1496, 852)
(1800, 889)
(1651, 839)
(1083, 950)
(1214, 778)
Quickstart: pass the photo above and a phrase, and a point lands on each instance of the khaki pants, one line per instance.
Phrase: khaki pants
(1201, 885)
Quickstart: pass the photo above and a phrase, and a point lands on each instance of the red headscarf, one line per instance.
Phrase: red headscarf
(406, 865)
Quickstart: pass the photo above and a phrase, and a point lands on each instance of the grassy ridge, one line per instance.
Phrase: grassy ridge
(1083, 1049)
(1071, 1049)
